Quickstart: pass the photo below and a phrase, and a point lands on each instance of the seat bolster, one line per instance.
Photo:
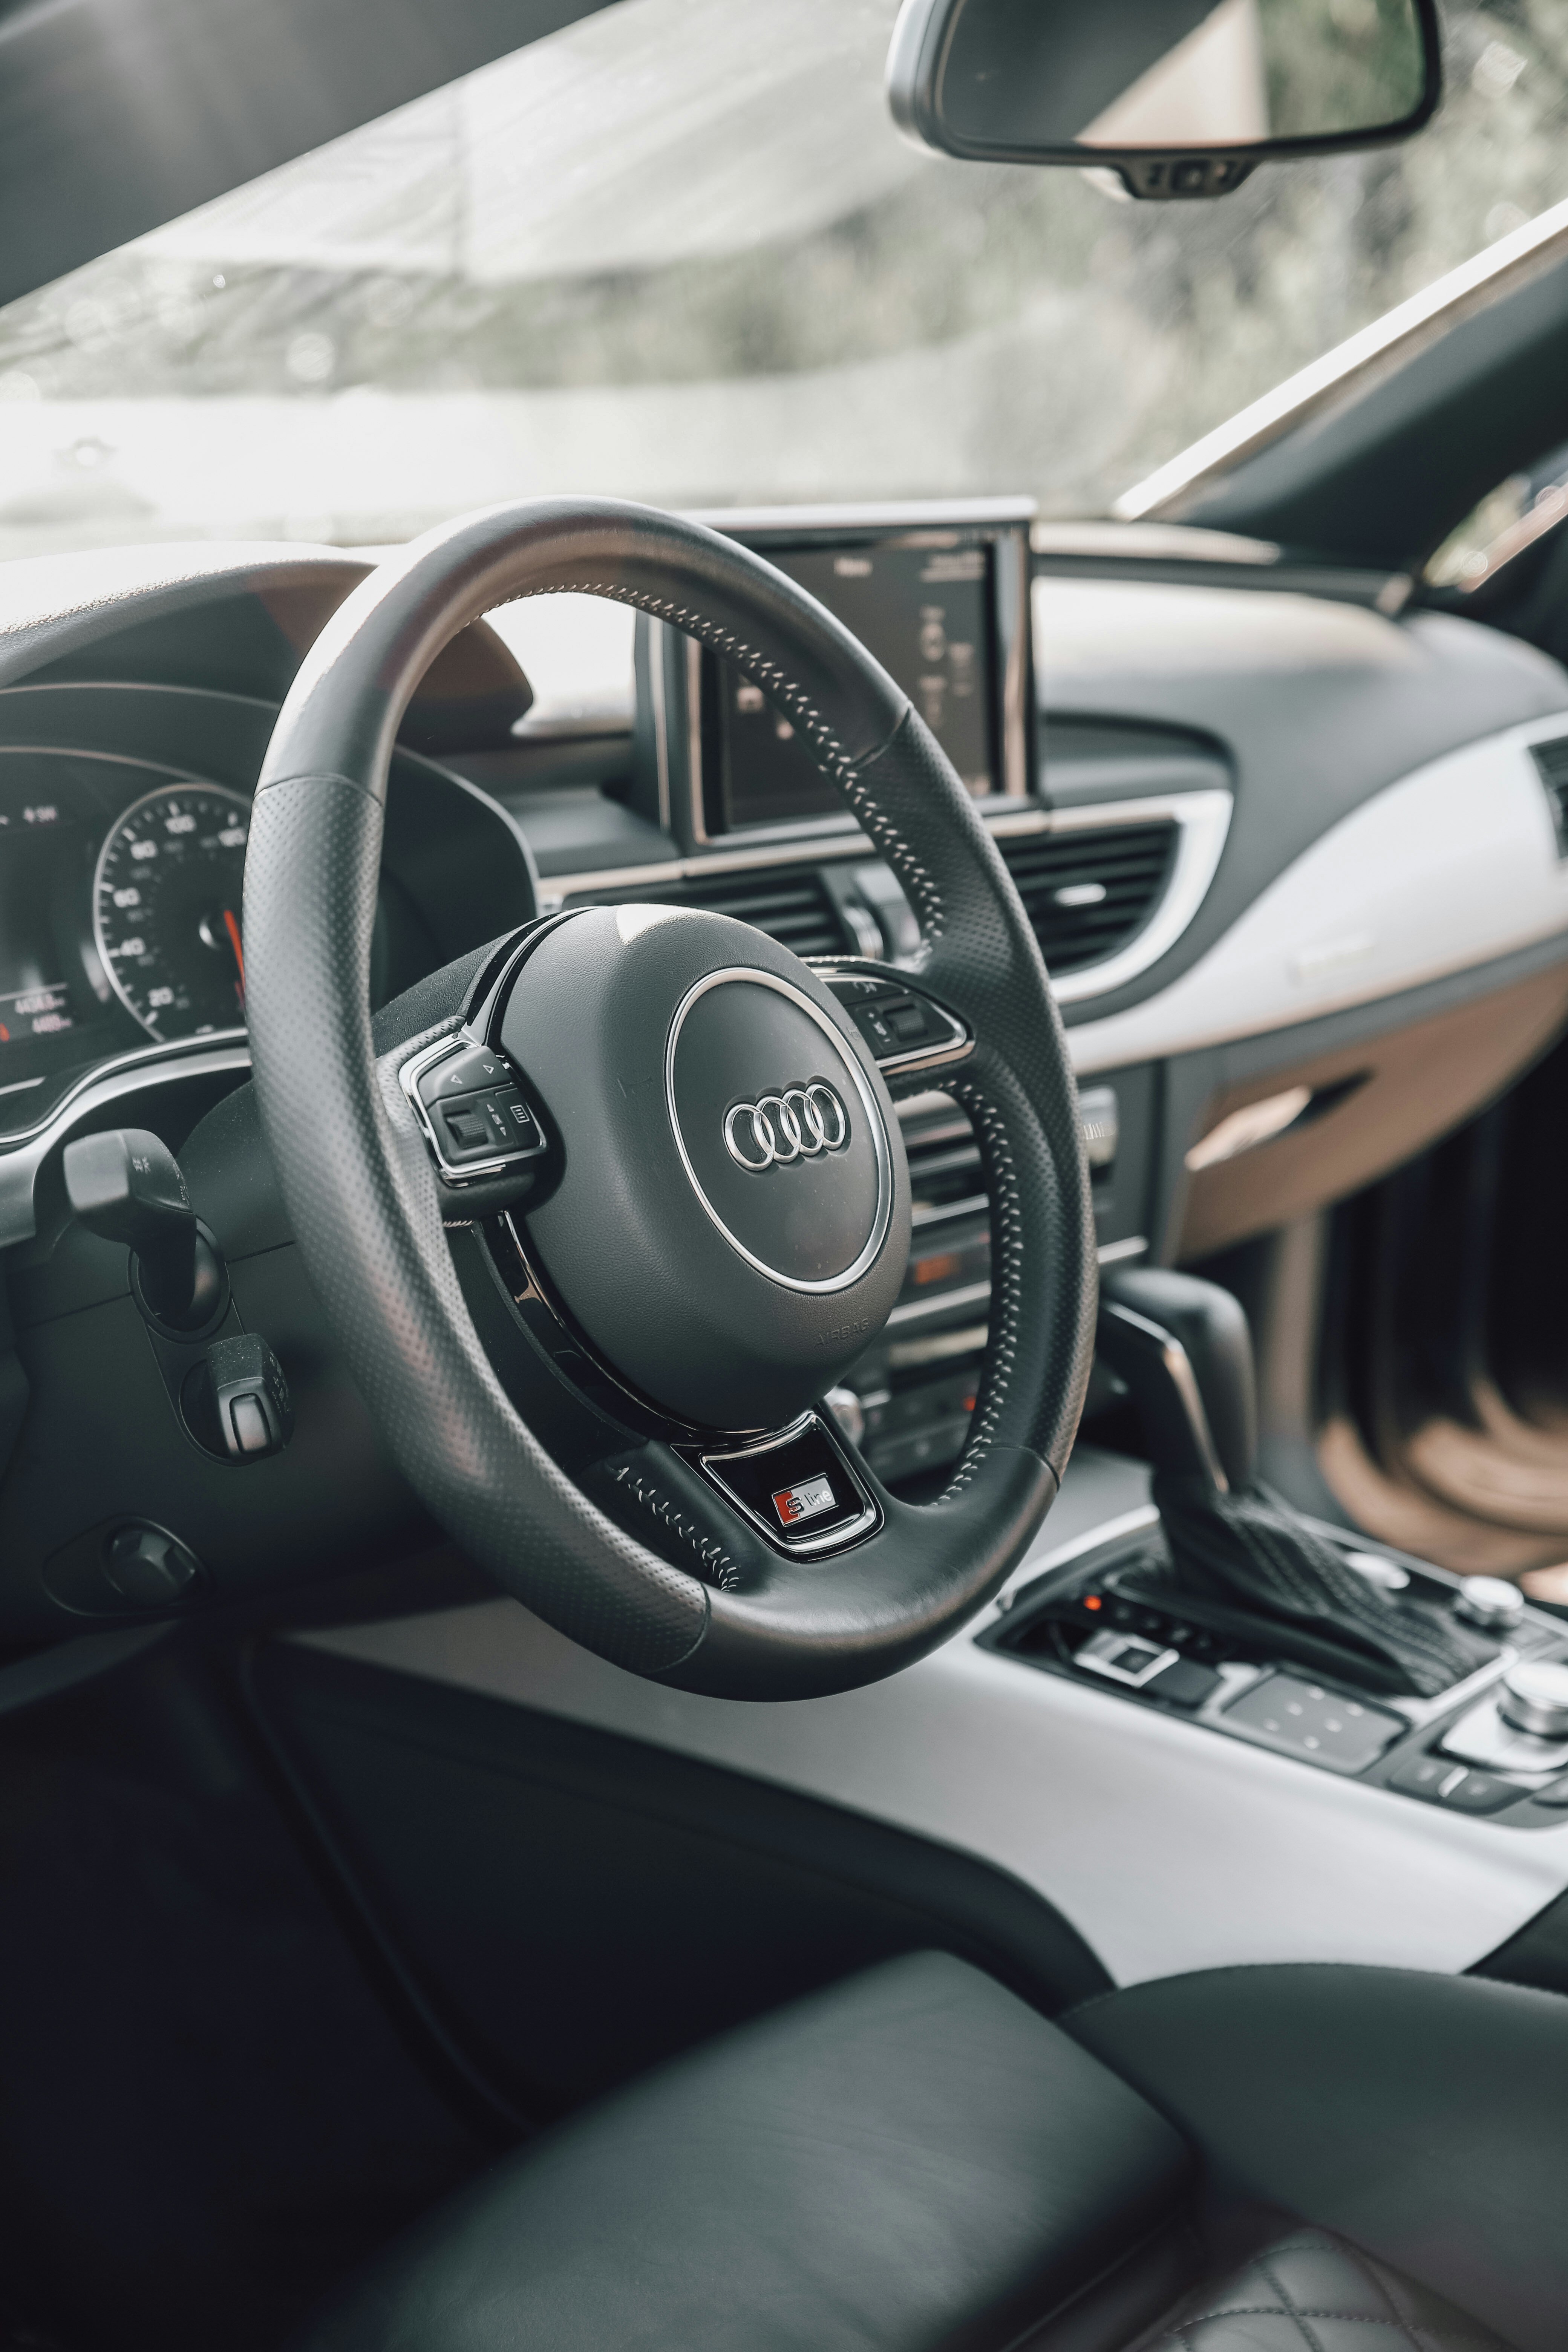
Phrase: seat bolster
(913, 2159)
(1425, 2117)
(1310, 2291)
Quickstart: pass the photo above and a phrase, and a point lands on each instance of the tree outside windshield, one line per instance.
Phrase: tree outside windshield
(677, 252)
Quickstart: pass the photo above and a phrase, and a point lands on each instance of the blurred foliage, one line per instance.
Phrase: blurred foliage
(1066, 343)
(1340, 64)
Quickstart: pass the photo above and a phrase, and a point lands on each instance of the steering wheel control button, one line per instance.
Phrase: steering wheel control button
(463, 1131)
(798, 1489)
(1305, 1719)
(781, 1135)
(475, 1118)
(902, 1027)
(467, 1073)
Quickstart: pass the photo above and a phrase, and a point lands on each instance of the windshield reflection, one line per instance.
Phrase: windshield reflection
(677, 252)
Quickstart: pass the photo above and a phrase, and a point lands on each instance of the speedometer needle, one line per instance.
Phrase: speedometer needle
(232, 928)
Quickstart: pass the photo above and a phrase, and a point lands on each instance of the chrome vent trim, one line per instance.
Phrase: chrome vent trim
(790, 903)
(1200, 822)
(1551, 760)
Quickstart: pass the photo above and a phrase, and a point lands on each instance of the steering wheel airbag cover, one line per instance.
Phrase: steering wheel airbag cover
(731, 1299)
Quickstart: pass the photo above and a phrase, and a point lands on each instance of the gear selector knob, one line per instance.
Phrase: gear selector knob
(1184, 1348)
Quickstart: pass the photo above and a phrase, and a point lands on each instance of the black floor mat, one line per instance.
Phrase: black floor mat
(206, 2118)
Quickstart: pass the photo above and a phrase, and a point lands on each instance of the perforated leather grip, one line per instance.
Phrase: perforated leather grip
(363, 1199)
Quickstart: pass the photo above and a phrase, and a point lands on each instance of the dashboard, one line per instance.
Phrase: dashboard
(1295, 859)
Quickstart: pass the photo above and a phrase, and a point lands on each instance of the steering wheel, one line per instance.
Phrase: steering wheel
(599, 1213)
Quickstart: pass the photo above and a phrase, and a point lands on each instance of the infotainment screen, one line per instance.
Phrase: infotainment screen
(926, 609)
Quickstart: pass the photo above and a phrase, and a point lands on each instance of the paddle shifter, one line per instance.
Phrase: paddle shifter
(1184, 1351)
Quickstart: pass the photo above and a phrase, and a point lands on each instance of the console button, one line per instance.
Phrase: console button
(1424, 1775)
(1307, 1720)
(1481, 1793)
(1439, 1781)
(1185, 1684)
(1556, 1795)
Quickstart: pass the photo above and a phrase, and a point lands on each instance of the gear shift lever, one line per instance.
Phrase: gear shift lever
(1184, 1349)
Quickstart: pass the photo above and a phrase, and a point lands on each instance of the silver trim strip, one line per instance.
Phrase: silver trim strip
(1451, 866)
(920, 1310)
(879, 1144)
(976, 1293)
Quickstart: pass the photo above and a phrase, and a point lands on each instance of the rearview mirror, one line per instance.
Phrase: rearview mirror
(1182, 98)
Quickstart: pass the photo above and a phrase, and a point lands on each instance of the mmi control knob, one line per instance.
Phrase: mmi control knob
(1534, 1698)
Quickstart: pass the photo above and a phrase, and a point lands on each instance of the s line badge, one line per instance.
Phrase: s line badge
(804, 1501)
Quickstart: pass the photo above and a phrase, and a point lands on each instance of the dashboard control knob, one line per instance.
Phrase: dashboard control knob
(1534, 1698)
(1489, 1603)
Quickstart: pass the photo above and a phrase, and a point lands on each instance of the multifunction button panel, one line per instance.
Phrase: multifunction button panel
(901, 1028)
(472, 1110)
(1495, 1745)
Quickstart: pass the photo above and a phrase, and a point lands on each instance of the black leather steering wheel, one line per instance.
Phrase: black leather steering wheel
(597, 1214)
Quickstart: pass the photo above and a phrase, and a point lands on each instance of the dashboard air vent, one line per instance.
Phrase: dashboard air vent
(1552, 763)
(789, 902)
(943, 1157)
(1086, 893)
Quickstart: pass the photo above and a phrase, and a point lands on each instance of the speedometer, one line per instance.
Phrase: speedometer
(165, 908)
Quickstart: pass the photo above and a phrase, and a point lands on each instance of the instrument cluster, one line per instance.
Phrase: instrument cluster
(119, 915)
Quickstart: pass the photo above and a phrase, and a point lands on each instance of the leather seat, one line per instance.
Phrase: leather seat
(1269, 2159)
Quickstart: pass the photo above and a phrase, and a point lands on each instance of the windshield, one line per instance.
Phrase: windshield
(677, 252)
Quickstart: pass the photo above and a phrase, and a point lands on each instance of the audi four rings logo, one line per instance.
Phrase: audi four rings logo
(798, 1124)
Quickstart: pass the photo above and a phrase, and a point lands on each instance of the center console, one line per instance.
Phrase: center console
(1494, 1745)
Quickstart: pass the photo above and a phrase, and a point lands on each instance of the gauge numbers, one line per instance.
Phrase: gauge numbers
(165, 910)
